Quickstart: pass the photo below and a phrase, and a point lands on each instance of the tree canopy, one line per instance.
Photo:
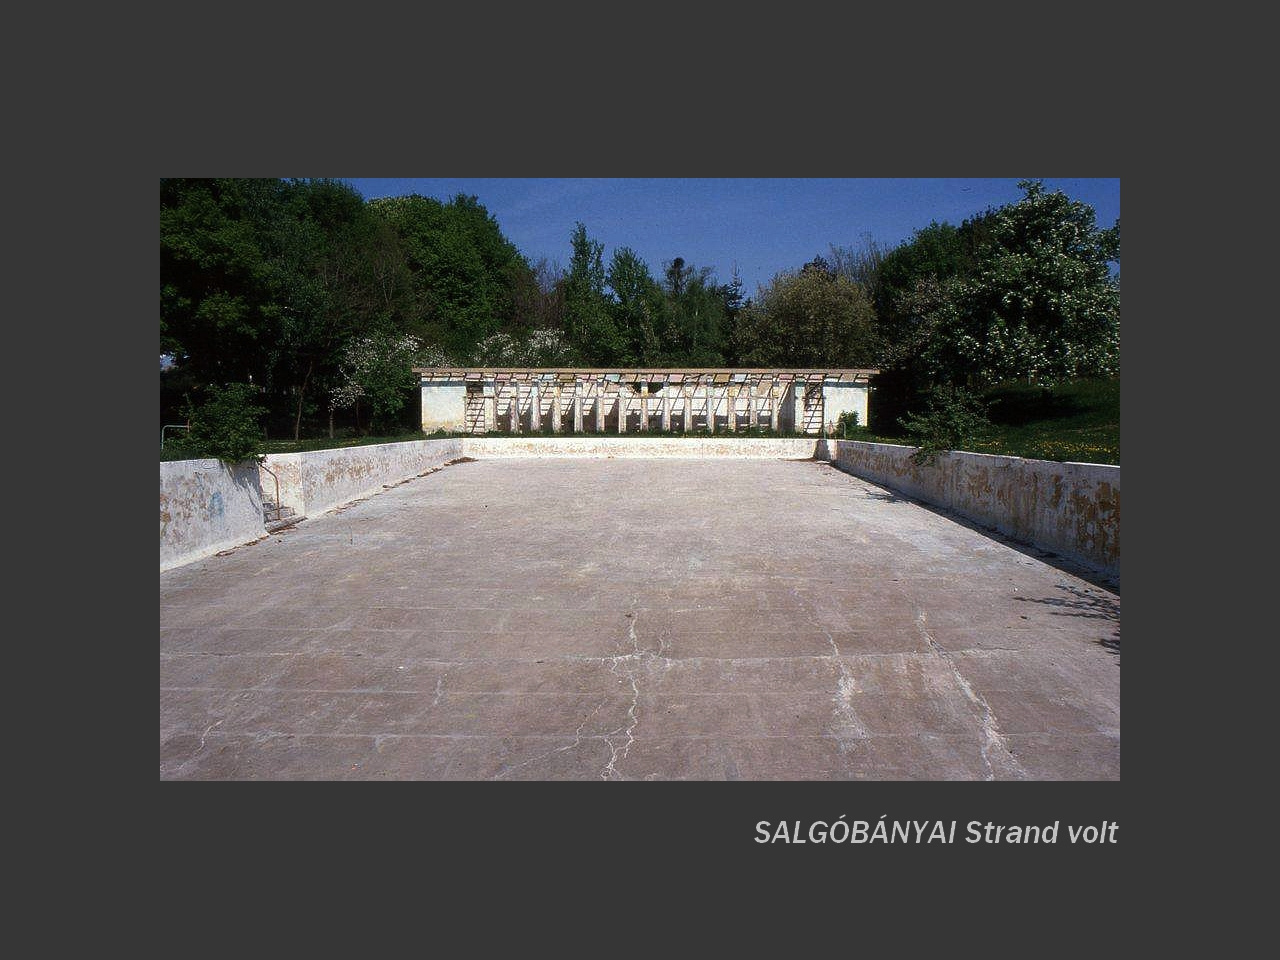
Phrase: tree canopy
(1021, 291)
(812, 317)
(322, 301)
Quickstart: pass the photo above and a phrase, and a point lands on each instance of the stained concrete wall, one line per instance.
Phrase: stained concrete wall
(1072, 509)
(639, 446)
(320, 480)
(206, 506)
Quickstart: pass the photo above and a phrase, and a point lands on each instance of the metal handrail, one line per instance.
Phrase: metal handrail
(172, 426)
(277, 500)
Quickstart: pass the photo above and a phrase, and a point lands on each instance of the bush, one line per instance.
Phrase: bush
(952, 418)
(227, 425)
(847, 425)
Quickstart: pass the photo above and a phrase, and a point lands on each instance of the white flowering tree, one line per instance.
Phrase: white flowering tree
(1040, 305)
(435, 356)
(542, 348)
(376, 369)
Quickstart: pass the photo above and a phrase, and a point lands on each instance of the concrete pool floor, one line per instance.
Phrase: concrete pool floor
(636, 619)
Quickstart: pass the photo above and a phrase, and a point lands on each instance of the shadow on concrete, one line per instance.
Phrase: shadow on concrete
(1065, 564)
(1080, 603)
(887, 496)
(247, 478)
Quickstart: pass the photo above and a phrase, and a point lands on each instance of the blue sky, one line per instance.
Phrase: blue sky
(762, 226)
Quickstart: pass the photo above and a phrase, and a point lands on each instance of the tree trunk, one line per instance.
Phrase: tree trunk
(331, 423)
(302, 392)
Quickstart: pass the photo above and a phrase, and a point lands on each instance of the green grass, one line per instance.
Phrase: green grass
(175, 451)
(1077, 421)
(324, 443)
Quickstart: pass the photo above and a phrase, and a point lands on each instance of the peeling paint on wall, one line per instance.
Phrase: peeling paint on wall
(206, 506)
(1069, 508)
(320, 480)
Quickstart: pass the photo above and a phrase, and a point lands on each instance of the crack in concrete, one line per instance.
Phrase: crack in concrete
(205, 736)
(847, 724)
(577, 739)
(991, 735)
(616, 753)
(439, 689)
(194, 753)
(636, 658)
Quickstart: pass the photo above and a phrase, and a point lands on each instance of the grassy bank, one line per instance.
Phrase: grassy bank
(1078, 421)
(174, 450)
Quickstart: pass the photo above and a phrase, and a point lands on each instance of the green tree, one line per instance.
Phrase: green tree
(227, 424)
(813, 317)
(906, 288)
(219, 304)
(860, 264)
(377, 368)
(325, 281)
(732, 305)
(952, 417)
(265, 281)
(1040, 303)
(695, 321)
(589, 324)
(468, 280)
(637, 309)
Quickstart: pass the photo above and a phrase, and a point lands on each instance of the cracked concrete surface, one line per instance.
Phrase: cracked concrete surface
(636, 620)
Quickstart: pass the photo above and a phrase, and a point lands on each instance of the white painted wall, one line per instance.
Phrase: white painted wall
(205, 507)
(636, 446)
(443, 406)
(840, 397)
